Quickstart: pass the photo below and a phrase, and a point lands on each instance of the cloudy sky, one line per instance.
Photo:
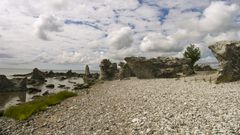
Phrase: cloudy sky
(67, 34)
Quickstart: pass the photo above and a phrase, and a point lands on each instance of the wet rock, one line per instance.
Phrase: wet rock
(160, 67)
(36, 96)
(108, 70)
(5, 83)
(61, 78)
(81, 86)
(45, 93)
(51, 86)
(228, 56)
(61, 86)
(33, 90)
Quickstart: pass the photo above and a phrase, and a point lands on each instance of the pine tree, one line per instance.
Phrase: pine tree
(193, 53)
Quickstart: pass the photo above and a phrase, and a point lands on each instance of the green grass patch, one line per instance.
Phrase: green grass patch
(25, 110)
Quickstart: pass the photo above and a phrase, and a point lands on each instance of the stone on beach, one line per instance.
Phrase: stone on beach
(228, 56)
(51, 86)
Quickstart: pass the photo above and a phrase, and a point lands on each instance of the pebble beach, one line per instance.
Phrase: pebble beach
(189, 105)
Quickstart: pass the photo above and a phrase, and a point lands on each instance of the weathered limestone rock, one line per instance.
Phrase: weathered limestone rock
(87, 71)
(108, 70)
(5, 83)
(228, 56)
(87, 76)
(124, 72)
(161, 67)
(38, 76)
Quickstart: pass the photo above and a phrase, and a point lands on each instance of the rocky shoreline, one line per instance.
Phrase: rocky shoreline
(189, 105)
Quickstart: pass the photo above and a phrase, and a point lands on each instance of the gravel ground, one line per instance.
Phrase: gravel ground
(190, 105)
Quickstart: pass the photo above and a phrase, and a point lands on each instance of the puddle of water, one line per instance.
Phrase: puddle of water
(12, 98)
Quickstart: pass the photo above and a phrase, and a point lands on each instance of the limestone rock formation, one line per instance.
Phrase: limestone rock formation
(89, 78)
(108, 70)
(87, 71)
(228, 56)
(5, 83)
(160, 67)
(38, 76)
(124, 72)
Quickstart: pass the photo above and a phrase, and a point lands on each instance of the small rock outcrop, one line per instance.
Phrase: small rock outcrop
(160, 67)
(108, 70)
(228, 56)
(38, 76)
(5, 83)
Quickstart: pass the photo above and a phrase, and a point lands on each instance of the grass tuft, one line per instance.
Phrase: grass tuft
(25, 110)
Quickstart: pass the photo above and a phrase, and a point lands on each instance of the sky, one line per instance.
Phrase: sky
(68, 34)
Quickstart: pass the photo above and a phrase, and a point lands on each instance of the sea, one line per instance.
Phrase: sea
(11, 71)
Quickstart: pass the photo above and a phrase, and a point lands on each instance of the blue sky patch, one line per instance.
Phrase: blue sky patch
(87, 23)
(164, 13)
(200, 10)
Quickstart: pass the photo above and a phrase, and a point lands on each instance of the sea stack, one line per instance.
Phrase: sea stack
(38, 76)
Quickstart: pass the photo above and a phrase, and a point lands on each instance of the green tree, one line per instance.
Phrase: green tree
(193, 53)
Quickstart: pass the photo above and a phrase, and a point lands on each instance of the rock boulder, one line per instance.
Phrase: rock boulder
(228, 56)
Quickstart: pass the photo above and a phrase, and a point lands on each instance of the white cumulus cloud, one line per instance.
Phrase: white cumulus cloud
(45, 24)
(122, 38)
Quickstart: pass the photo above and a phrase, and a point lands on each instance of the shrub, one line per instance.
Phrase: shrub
(25, 110)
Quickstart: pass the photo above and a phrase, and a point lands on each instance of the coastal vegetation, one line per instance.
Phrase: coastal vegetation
(25, 110)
